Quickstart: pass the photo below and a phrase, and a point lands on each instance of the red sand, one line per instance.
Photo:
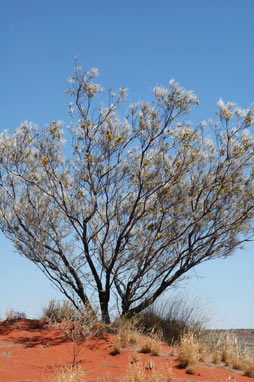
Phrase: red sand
(31, 352)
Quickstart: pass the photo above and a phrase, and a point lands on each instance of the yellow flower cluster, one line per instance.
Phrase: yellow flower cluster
(85, 125)
(89, 158)
(226, 114)
(44, 161)
(54, 129)
(67, 91)
(169, 100)
(109, 135)
(247, 120)
(122, 91)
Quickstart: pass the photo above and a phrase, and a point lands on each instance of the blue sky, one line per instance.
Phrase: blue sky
(206, 45)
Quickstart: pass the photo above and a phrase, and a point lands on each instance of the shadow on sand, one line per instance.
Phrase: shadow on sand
(31, 333)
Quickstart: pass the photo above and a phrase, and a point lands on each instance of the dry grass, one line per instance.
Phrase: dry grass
(230, 351)
(150, 346)
(203, 351)
(224, 348)
(149, 365)
(116, 349)
(234, 356)
(136, 374)
(127, 337)
(134, 358)
(189, 352)
(216, 357)
(191, 368)
(163, 376)
(55, 311)
(127, 334)
(65, 374)
(248, 366)
(11, 314)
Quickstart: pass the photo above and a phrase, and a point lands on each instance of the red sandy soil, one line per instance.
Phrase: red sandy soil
(30, 351)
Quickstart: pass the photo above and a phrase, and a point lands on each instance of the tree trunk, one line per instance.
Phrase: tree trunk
(104, 307)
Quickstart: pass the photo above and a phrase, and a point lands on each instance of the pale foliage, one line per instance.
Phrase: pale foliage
(136, 203)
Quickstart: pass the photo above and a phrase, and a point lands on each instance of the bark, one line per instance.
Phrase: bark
(104, 300)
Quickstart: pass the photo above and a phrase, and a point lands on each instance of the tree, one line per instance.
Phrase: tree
(135, 203)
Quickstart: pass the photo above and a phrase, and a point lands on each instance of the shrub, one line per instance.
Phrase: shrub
(174, 317)
(76, 325)
(59, 310)
(77, 329)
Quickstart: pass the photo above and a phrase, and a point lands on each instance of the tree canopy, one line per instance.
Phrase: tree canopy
(127, 205)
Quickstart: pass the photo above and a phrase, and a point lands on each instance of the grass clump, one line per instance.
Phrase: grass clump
(150, 345)
(166, 376)
(136, 374)
(216, 357)
(188, 352)
(12, 314)
(225, 348)
(231, 351)
(67, 374)
(59, 311)
(134, 358)
(248, 366)
(235, 356)
(116, 349)
(128, 331)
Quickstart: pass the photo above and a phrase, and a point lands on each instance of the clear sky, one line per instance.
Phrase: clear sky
(206, 45)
